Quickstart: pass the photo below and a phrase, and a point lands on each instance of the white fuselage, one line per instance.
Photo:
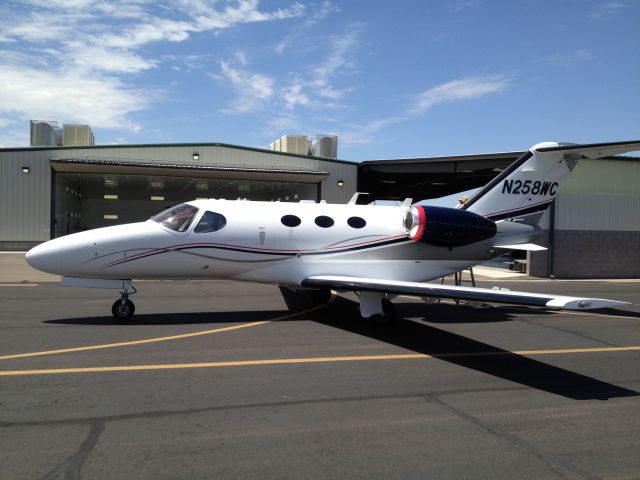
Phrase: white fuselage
(256, 245)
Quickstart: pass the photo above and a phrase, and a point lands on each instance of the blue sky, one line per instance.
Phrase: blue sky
(391, 79)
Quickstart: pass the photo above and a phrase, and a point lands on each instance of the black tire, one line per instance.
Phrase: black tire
(123, 312)
(389, 315)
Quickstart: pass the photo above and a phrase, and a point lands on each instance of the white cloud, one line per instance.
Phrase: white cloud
(354, 138)
(325, 9)
(456, 90)
(294, 96)
(38, 28)
(460, 5)
(317, 89)
(465, 89)
(74, 59)
(314, 90)
(282, 124)
(153, 30)
(245, 11)
(98, 58)
(99, 101)
(338, 60)
(571, 59)
(611, 9)
(252, 89)
(78, 76)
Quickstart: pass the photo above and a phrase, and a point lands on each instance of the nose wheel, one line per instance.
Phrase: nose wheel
(123, 309)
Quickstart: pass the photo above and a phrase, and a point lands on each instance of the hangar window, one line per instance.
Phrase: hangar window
(324, 221)
(177, 218)
(290, 221)
(210, 222)
(356, 222)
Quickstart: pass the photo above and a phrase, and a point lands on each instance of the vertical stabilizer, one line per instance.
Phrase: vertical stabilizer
(526, 188)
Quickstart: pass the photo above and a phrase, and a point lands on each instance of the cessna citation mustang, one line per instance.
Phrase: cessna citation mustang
(375, 251)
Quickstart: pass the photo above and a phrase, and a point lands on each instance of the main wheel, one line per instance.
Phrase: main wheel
(123, 311)
(388, 316)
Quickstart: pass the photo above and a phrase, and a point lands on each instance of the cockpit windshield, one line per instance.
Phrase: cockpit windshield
(177, 218)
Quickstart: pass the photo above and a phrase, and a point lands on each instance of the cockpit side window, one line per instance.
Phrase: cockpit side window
(210, 222)
(177, 218)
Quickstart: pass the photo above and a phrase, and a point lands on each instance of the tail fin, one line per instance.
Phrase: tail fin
(526, 188)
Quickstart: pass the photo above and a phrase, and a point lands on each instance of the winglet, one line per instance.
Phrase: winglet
(571, 303)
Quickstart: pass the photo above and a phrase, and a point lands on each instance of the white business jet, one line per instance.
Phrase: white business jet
(375, 251)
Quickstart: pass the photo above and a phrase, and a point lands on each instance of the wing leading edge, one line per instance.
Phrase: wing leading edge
(461, 293)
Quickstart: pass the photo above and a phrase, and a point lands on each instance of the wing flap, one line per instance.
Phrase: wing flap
(458, 292)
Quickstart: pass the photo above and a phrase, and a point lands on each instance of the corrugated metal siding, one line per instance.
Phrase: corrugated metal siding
(598, 212)
(214, 155)
(25, 200)
(208, 155)
(604, 177)
(338, 171)
(599, 195)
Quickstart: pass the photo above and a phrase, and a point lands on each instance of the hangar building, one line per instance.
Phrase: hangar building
(593, 230)
(53, 191)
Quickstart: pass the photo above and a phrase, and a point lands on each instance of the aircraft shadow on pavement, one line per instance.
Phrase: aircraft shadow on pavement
(451, 313)
(426, 339)
(197, 318)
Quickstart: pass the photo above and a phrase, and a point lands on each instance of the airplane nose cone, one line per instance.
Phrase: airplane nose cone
(45, 258)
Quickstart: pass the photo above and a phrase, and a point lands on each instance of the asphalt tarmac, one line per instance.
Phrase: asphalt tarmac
(216, 379)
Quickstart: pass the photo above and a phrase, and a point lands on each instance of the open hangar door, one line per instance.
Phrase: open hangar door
(428, 178)
(88, 196)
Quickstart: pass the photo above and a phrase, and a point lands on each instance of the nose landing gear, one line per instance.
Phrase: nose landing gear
(123, 309)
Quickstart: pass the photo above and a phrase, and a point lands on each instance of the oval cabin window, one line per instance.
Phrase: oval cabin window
(324, 221)
(290, 221)
(356, 222)
(210, 222)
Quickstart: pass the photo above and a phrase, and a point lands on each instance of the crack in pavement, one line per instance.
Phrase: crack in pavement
(222, 408)
(555, 464)
(72, 465)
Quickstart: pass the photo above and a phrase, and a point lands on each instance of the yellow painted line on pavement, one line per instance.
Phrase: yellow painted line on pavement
(285, 361)
(134, 342)
(18, 284)
(161, 339)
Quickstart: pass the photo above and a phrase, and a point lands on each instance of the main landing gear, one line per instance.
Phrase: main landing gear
(123, 309)
(377, 308)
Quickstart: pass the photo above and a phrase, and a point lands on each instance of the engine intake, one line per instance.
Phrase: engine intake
(447, 227)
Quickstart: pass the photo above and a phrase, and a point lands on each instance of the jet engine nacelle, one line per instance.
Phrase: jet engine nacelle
(447, 227)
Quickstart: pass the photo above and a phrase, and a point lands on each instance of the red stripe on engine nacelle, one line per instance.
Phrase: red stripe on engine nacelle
(422, 219)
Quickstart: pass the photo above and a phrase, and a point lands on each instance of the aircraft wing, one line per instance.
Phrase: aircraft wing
(463, 293)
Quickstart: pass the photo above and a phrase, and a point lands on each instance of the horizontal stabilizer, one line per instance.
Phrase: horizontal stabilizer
(527, 247)
(595, 150)
(417, 289)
